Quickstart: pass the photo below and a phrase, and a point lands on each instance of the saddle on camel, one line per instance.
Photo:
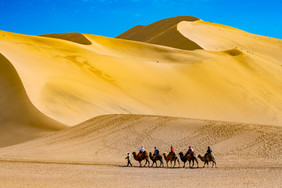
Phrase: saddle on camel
(171, 153)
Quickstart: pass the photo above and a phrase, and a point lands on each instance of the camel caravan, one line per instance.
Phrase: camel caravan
(171, 157)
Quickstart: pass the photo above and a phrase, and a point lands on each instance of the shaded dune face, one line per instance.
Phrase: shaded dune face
(73, 37)
(163, 32)
(19, 119)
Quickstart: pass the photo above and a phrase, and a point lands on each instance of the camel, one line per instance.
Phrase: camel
(172, 158)
(143, 156)
(189, 157)
(210, 157)
(157, 158)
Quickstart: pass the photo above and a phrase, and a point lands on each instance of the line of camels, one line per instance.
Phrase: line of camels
(174, 158)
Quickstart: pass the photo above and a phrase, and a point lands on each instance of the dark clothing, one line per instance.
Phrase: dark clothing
(156, 152)
(209, 151)
(129, 163)
(128, 160)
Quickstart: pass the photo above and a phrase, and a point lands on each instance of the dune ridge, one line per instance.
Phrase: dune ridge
(73, 37)
(19, 119)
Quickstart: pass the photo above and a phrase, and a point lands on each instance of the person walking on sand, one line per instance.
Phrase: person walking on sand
(128, 159)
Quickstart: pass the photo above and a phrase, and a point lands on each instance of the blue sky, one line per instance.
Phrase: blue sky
(112, 17)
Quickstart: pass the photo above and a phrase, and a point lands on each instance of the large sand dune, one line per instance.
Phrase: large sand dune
(72, 82)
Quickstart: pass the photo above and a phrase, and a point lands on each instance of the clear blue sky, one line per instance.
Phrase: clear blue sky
(112, 17)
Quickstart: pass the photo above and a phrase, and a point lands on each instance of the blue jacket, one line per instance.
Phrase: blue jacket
(156, 152)
(209, 150)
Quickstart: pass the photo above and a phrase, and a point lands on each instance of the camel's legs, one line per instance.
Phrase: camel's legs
(162, 164)
(147, 161)
(197, 162)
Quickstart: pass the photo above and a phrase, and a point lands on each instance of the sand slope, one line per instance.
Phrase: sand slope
(107, 139)
(19, 119)
(73, 37)
(72, 82)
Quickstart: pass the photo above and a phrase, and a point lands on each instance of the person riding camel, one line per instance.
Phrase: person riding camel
(209, 151)
(142, 150)
(156, 152)
(171, 153)
(190, 151)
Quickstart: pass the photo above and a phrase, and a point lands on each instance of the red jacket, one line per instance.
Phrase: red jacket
(171, 150)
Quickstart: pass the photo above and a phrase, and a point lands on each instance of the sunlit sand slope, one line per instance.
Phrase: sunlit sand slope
(163, 32)
(19, 119)
(212, 36)
(107, 139)
(72, 82)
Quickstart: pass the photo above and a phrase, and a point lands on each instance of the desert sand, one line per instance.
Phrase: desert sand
(92, 154)
(73, 105)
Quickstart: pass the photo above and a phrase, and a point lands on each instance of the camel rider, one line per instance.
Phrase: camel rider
(142, 150)
(171, 153)
(190, 151)
(156, 152)
(209, 151)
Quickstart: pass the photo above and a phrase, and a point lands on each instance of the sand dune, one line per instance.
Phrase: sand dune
(178, 31)
(107, 139)
(19, 119)
(71, 82)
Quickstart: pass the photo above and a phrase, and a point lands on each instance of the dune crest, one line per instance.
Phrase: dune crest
(19, 119)
(163, 32)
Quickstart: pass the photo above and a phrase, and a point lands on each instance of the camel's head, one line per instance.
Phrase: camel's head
(199, 156)
(181, 153)
(133, 153)
(164, 154)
